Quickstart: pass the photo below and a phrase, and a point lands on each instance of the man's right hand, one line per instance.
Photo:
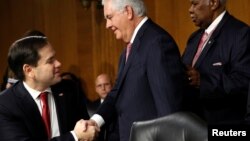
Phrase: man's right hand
(86, 130)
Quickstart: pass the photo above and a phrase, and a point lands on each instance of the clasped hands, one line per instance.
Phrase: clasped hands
(86, 130)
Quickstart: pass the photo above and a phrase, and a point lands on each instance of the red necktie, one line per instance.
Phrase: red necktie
(45, 112)
(129, 45)
(200, 46)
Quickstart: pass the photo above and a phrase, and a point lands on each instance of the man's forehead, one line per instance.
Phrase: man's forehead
(108, 11)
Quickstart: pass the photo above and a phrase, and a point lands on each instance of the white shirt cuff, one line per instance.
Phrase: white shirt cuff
(98, 119)
(74, 135)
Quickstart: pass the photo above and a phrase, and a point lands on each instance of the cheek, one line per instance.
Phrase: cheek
(109, 89)
(46, 71)
(99, 91)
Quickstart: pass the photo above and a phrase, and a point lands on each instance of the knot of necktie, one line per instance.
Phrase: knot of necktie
(44, 97)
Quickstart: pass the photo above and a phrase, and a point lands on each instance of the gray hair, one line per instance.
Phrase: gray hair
(137, 5)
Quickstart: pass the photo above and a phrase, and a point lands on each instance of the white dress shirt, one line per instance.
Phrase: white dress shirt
(212, 27)
(52, 107)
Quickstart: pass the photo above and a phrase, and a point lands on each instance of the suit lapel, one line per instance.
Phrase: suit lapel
(195, 44)
(60, 108)
(124, 67)
(212, 40)
(130, 59)
(192, 46)
(30, 109)
(204, 52)
(134, 50)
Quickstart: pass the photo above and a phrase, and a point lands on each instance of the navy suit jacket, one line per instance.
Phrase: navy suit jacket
(20, 118)
(224, 67)
(149, 85)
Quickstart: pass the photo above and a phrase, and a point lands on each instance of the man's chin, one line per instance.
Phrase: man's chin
(118, 37)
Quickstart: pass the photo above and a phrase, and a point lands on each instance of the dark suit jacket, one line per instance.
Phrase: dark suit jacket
(149, 85)
(107, 132)
(248, 106)
(224, 67)
(20, 118)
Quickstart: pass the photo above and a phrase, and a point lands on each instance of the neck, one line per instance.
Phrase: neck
(134, 23)
(36, 86)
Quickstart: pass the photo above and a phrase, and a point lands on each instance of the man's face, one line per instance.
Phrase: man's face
(103, 86)
(201, 13)
(47, 71)
(117, 21)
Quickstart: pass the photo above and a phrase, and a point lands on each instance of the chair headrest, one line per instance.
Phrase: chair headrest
(180, 126)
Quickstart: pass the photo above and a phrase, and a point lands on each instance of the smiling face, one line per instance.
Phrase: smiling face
(118, 21)
(47, 70)
(201, 13)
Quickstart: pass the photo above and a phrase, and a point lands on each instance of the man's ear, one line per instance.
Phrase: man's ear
(130, 12)
(28, 71)
(215, 4)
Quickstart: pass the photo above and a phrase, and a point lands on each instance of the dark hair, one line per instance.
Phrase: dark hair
(33, 33)
(25, 51)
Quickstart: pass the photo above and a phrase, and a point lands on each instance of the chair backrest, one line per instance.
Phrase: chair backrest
(180, 126)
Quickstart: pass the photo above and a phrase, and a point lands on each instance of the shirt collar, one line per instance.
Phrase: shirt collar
(34, 93)
(215, 23)
(137, 28)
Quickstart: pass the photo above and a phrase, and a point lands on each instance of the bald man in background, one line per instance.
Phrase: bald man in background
(103, 85)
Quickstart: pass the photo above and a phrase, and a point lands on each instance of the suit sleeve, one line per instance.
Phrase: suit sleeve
(107, 109)
(12, 129)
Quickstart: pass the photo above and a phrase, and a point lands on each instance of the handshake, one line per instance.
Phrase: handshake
(86, 130)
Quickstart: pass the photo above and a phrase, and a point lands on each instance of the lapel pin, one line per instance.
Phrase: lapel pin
(61, 94)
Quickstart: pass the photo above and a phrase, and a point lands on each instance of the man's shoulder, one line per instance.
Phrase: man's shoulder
(9, 98)
(9, 92)
(230, 22)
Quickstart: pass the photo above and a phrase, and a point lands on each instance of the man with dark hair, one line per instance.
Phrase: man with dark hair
(40, 106)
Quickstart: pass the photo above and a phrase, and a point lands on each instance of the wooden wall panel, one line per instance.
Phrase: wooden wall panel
(16, 18)
(240, 9)
(184, 27)
(5, 34)
(85, 49)
(106, 49)
(174, 17)
(83, 44)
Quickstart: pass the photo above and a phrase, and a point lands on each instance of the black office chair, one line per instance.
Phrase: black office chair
(181, 126)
